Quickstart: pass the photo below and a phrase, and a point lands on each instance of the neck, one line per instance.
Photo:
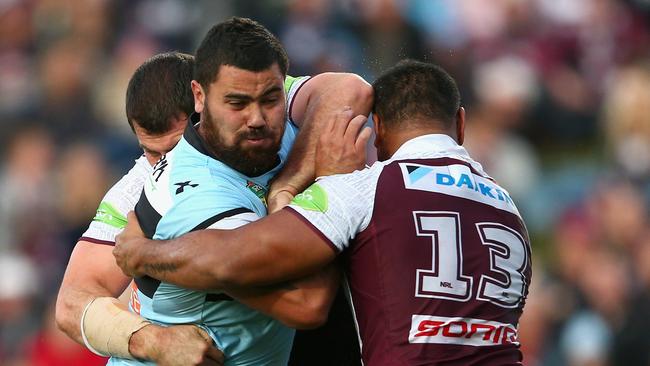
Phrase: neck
(394, 140)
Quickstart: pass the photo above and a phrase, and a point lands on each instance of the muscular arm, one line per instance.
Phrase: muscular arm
(300, 304)
(319, 98)
(274, 249)
(92, 272)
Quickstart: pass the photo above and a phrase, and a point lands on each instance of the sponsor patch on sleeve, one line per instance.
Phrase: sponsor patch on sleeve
(109, 215)
(313, 198)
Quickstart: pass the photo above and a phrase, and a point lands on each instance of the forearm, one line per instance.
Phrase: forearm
(91, 273)
(300, 304)
(254, 255)
(328, 94)
(70, 305)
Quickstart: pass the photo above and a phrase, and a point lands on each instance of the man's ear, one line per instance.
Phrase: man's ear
(199, 96)
(460, 125)
(376, 125)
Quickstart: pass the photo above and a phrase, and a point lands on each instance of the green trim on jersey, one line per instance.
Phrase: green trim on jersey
(288, 82)
(109, 215)
(313, 198)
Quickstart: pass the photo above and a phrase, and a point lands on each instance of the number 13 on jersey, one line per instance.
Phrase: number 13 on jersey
(504, 285)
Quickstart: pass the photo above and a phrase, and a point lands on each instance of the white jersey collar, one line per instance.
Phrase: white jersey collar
(433, 146)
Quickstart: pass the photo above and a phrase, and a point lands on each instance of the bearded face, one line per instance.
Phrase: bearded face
(251, 150)
(243, 115)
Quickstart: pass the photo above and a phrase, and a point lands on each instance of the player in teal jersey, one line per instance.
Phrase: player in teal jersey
(322, 89)
(242, 140)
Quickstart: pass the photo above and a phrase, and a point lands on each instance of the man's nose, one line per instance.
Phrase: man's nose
(256, 118)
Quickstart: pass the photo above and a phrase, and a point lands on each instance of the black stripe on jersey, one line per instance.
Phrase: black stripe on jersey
(217, 297)
(192, 137)
(204, 225)
(148, 218)
(236, 211)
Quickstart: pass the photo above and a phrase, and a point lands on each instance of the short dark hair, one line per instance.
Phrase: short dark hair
(239, 42)
(414, 90)
(161, 88)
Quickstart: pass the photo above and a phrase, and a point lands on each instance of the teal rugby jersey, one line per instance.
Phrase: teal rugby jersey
(190, 190)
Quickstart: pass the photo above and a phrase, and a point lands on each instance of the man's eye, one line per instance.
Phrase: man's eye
(270, 101)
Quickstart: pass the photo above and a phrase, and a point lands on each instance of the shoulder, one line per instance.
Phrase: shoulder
(110, 217)
(127, 190)
(362, 180)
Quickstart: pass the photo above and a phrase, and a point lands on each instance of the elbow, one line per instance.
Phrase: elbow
(225, 275)
(311, 321)
(63, 317)
(310, 316)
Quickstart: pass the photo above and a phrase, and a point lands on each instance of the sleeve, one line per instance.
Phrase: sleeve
(292, 86)
(110, 217)
(339, 207)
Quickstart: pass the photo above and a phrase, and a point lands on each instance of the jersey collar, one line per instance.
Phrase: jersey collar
(191, 135)
(435, 145)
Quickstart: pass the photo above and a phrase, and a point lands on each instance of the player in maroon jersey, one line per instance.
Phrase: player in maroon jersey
(436, 253)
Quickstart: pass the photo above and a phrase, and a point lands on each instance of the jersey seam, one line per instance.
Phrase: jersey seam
(293, 99)
(313, 228)
(97, 241)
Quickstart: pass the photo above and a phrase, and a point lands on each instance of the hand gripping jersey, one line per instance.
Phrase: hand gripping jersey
(437, 254)
(188, 190)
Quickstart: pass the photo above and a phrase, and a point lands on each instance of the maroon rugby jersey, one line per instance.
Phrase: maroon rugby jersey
(438, 257)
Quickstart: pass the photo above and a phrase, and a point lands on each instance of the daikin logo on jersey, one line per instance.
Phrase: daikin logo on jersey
(456, 180)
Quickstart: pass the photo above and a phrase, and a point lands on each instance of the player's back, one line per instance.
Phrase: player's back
(440, 274)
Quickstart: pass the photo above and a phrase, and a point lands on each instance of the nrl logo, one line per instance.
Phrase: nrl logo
(259, 190)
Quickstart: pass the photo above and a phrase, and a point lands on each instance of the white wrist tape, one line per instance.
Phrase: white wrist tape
(107, 326)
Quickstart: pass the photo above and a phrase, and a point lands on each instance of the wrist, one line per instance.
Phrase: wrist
(144, 343)
(107, 327)
(138, 257)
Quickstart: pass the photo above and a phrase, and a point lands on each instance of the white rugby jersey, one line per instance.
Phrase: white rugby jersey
(110, 218)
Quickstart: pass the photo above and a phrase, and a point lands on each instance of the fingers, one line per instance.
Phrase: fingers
(362, 140)
(133, 225)
(215, 355)
(340, 117)
(353, 128)
(279, 201)
(132, 218)
(342, 121)
(203, 334)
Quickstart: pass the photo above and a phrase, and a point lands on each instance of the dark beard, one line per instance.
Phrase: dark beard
(251, 162)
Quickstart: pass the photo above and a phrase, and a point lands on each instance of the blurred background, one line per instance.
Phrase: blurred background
(557, 94)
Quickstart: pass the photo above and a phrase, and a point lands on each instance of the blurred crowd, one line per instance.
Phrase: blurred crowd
(557, 94)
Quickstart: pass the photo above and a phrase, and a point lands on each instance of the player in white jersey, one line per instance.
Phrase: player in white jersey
(157, 110)
(92, 271)
(437, 255)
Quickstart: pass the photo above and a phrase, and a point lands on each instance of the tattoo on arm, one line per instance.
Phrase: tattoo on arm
(160, 267)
